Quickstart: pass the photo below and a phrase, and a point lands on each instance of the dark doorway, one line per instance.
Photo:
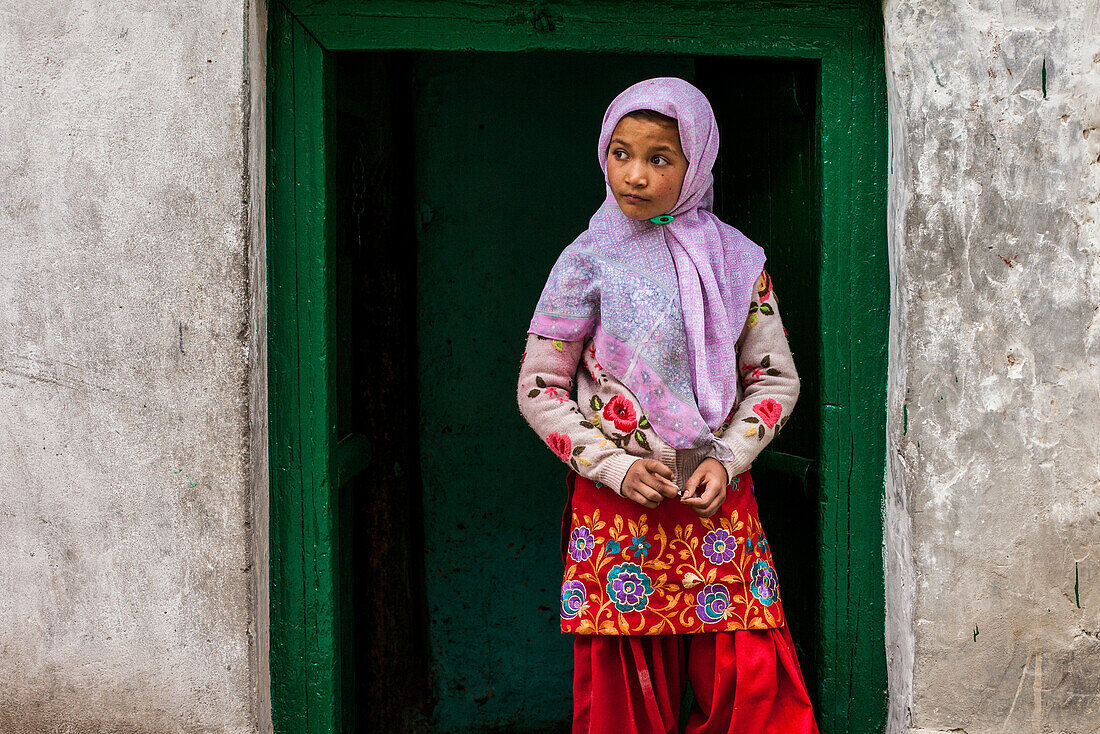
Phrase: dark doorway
(458, 178)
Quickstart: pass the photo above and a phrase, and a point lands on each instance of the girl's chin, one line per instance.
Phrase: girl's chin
(635, 211)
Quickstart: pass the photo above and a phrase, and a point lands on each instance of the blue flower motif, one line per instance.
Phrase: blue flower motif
(613, 546)
(765, 585)
(712, 603)
(573, 596)
(629, 587)
(639, 547)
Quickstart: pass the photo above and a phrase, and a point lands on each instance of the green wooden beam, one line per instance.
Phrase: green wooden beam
(854, 290)
(304, 645)
(801, 29)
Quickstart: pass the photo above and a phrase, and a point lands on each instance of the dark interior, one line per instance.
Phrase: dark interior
(458, 178)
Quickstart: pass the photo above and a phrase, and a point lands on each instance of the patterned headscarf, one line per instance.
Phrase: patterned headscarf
(665, 303)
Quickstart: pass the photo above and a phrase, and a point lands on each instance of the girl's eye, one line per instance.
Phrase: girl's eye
(660, 160)
(619, 155)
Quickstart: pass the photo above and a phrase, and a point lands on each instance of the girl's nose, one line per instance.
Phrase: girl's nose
(634, 175)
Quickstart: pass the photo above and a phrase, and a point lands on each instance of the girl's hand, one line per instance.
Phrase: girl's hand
(648, 481)
(705, 490)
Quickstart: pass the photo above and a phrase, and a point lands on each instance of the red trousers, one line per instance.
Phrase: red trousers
(745, 682)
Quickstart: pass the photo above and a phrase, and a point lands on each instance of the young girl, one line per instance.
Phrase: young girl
(657, 368)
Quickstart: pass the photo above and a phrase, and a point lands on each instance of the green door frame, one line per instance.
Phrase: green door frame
(307, 461)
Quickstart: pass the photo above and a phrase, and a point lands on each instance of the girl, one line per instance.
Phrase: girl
(657, 368)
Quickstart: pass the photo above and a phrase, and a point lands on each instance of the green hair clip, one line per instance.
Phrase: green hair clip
(663, 219)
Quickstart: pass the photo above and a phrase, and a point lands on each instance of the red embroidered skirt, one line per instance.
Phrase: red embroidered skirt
(630, 570)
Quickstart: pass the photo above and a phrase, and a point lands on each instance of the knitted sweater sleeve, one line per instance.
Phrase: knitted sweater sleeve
(545, 395)
(768, 378)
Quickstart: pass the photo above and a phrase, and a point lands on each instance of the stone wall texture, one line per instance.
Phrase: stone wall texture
(993, 486)
(126, 586)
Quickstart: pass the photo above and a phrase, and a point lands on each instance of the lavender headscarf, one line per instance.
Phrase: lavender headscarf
(665, 304)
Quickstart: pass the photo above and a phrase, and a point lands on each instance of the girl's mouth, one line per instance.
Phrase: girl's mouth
(634, 198)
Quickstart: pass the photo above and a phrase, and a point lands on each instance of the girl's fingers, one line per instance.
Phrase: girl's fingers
(661, 477)
(715, 503)
(656, 467)
(692, 485)
(659, 485)
(696, 496)
(708, 502)
(712, 507)
(645, 495)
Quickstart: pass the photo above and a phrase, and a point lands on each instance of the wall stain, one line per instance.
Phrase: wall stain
(937, 75)
(191, 484)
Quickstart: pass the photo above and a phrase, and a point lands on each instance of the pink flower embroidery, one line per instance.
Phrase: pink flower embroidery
(554, 393)
(769, 411)
(620, 410)
(595, 367)
(560, 444)
(764, 285)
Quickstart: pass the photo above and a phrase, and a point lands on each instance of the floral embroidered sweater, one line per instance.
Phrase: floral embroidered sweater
(592, 421)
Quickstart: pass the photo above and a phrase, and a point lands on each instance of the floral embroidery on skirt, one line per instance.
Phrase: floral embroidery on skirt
(630, 570)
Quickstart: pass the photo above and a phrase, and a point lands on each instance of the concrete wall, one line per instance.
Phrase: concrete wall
(993, 539)
(126, 580)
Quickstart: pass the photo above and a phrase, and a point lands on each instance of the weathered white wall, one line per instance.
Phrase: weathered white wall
(126, 581)
(993, 513)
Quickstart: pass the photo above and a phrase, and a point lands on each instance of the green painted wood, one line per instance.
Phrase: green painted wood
(868, 338)
(287, 577)
(854, 292)
(795, 28)
(853, 286)
(304, 644)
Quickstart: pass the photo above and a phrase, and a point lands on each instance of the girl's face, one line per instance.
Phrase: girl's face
(645, 166)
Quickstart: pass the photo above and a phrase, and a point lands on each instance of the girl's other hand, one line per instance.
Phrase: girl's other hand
(705, 490)
(648, 481)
